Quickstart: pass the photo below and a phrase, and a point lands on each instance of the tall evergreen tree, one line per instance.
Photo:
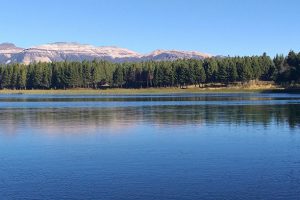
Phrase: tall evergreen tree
(22, 78)
(211, 68)
(118, 76)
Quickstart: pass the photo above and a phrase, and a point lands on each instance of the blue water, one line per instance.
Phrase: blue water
(191, 146)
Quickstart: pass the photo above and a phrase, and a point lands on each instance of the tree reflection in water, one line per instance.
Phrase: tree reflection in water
(81, 120)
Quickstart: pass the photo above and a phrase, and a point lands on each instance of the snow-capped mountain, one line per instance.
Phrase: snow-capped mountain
(61, 51)
(7, 50)
(174, 54)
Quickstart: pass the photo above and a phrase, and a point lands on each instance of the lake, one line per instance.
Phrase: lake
(180, 146)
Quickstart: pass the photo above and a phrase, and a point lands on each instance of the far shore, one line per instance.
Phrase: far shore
(116, 91)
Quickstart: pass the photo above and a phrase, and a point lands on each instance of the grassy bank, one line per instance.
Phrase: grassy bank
(142, 91)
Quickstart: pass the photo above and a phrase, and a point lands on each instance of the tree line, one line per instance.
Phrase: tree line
(179, 73)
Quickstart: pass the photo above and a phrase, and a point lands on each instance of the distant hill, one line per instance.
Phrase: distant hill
(62, 51)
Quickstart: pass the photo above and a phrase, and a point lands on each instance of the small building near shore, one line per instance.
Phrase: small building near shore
(103, 86)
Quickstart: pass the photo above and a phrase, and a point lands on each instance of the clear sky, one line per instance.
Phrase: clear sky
(220, 27)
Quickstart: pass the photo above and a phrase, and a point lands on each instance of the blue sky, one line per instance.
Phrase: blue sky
(220, 27)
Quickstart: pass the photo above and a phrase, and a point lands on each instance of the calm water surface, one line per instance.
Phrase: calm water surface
(192, 146)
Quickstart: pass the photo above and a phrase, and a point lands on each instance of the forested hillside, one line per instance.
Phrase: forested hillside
(63, 75)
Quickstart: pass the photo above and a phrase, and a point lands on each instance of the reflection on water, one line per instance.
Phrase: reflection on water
(76, 115)
(74, 119)
(191, 146)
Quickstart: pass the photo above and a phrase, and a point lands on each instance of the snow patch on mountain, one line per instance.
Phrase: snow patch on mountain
(62, 51)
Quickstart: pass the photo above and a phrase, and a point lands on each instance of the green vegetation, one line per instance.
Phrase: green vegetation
(180, 73)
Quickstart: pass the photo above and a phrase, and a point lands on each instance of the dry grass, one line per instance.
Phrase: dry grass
(140, 91)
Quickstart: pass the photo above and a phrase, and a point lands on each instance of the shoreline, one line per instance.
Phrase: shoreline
(116, 91)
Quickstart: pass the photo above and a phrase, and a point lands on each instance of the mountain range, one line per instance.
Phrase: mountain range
(61, 51)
